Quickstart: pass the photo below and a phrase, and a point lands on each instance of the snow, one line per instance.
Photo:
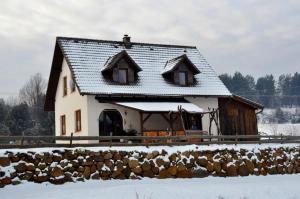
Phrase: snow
(278, 129)
(168, 149)
(162, 106)
(252, 187)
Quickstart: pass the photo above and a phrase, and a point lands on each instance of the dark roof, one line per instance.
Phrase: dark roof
(247, 101)
(87, 58)
(173, 64)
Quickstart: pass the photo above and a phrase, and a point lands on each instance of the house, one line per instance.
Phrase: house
(101, 87)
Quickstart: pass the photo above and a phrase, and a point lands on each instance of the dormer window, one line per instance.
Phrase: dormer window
(183, 76)
(123, 75)
(121, 69)
(180, 71)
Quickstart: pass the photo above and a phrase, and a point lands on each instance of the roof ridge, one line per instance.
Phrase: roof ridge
(120, 42)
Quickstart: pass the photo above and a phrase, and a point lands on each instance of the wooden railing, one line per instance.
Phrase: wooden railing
(78, 141)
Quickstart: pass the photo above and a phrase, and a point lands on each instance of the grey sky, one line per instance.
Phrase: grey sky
(256, 37)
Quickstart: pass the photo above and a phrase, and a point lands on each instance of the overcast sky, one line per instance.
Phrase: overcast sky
(255, 37)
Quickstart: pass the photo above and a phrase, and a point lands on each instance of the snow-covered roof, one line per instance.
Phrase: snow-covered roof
(161, 106)
(87, 58)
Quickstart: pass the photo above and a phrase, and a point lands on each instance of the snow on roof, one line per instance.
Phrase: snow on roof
(86, 58)
(162, 106)
(173, 63)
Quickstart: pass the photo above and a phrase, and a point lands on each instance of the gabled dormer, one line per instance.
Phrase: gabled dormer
(121, 68)
(180, 71)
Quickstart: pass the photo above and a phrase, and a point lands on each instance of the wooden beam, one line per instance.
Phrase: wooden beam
(147, 117)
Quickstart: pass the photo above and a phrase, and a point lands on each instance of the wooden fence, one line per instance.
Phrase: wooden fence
(81, 141)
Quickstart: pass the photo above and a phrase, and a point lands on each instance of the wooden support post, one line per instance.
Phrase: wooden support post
(71, 139)
(141, 122)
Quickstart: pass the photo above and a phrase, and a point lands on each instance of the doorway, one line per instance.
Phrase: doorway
(110, 123)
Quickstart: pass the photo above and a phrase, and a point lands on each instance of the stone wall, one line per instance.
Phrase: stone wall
(60, 166)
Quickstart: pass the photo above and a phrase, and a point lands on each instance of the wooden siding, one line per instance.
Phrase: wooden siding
(183, 67)
(124, 65)
(237, 118)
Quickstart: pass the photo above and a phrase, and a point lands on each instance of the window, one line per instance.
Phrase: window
(183, 78)
(77, 120)
(63, 125)
(72, 85)
(123, 76)
(65, 86)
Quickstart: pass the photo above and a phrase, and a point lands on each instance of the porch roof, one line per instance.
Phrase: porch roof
(161, 106)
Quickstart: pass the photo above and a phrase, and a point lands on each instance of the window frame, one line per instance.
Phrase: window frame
(73, 87)
(126, 75)
(65, 86)
(63, 125)
(78, 124)
(185, 76)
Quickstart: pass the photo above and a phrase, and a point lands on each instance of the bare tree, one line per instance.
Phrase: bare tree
(33, 91)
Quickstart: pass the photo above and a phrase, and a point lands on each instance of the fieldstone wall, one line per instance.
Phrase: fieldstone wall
(60, 166)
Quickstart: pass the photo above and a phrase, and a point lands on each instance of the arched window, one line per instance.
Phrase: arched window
(110, 123)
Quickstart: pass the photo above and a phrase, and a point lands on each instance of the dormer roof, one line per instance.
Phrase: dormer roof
(113, 60)
(173, 64)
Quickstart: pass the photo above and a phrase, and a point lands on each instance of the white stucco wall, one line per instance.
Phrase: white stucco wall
(67, 105)
(205, 103)
(131, 118)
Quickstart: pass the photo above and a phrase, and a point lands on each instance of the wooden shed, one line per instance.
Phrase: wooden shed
(238, 116)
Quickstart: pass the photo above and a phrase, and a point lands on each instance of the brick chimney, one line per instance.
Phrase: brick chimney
(126, 41)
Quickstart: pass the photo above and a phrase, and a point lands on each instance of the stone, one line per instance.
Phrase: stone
(26, 176)
(181, 167)
(210, 167)
(202, 162)
(30, 167)
(172, 170)
(163, 174)
(57, 158)
(41, 178)
(57, 181)
(48, 160)
(160, 162)
(4, 161)
(117, 156)
(87, 172)
(217, 167)
(173, 157)
(272, 170)
(243, 170)
(108, 156)
(250, 165)
(231, 170)
(56, 172)
(146, 166)
(15, 182)
(42, 166)
(199, 173)
(155, 154)
(148, 174)
(184, 174)
(99, 165)
(137, 170)
(95, 176)
(5, 181)
(115, 174)
(155, 170)
(133, 164)
(21, 168)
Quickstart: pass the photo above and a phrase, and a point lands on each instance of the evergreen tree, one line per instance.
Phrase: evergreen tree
(19, 119)
(265, 87)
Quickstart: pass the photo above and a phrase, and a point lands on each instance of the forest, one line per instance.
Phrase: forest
(271, 92)
(24, 114)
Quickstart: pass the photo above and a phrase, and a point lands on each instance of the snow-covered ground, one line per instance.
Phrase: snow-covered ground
(169, 149)
(278, 129)
(252, 187)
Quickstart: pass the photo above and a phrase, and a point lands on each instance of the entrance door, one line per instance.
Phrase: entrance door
(110, 123)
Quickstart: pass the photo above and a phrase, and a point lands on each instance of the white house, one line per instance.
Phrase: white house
(100, 87)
